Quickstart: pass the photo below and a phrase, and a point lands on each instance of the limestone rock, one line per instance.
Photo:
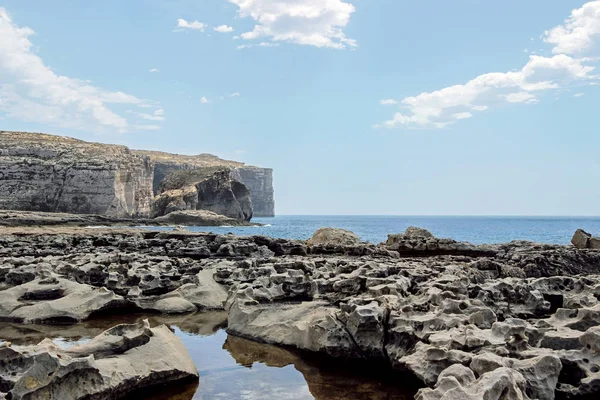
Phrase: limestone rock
(334, 236)
(260, 183)
(500, 384)
(309, 326)
(522, 316)
(258, 180)
(59, 174)
(200, 218)
(210, 189)
(581, 239)
(118, 362)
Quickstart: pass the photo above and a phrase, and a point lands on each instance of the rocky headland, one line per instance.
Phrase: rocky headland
(511, 321)
(259, 181)
(47, 173)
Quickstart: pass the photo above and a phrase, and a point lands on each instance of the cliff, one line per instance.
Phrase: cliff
(48, 173)
(40, 172)
(210, 188)
(258, 180)
(260, 183)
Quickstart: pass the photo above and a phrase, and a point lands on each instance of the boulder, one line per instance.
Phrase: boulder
(334, 236)
(414, 232)
(312, 326)
(581, 239)
(118, 362)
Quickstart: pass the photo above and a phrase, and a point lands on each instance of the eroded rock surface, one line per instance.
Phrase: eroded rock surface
(522, 317)
(117, 362)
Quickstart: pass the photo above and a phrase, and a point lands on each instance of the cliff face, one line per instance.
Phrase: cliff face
(57, 174)
(210, 188)
(260, 183)
(258, 180)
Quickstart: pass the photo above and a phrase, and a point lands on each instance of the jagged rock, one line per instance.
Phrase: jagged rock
(455, 384)
(334, 236)
(420, 242)
(118, 362)
(503, 311)
(427, 362)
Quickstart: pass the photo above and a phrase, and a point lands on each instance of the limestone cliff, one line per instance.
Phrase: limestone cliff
(209, 188)
(260, 183)
(41, 172)
(258, 180)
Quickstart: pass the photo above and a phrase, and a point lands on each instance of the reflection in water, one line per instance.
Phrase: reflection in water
(234, 368)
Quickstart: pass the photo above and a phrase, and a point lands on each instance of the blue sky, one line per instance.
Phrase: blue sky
(359, 106)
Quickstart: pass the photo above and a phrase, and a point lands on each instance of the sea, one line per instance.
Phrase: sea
(374, 229)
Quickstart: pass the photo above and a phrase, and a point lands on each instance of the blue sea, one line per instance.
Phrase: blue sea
(374, 229)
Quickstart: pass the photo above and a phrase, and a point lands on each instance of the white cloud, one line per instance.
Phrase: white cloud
(578, 32)
(141, 127)
(154, 70)
(463, 115)
(388, 102)
(520, 97)
(308, 22)
(204, 100)
(158, 115)
(236, 94)
(196, 25)
(32, 91)
(223, 29)
(579, 95)
(439, 109)
(261, 44)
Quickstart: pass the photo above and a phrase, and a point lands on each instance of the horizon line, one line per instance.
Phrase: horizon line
(438, 215)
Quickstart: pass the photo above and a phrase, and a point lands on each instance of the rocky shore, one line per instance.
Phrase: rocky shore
(186, 218)
(511, 321)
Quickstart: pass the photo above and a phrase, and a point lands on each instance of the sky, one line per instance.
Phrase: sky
(367, 107)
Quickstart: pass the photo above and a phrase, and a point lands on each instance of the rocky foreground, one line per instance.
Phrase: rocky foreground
(115, 363)
(512, 321)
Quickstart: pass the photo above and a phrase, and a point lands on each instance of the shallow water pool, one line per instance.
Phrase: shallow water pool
(234, 368)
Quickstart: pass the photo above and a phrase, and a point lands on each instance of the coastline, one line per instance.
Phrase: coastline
(417, 303)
